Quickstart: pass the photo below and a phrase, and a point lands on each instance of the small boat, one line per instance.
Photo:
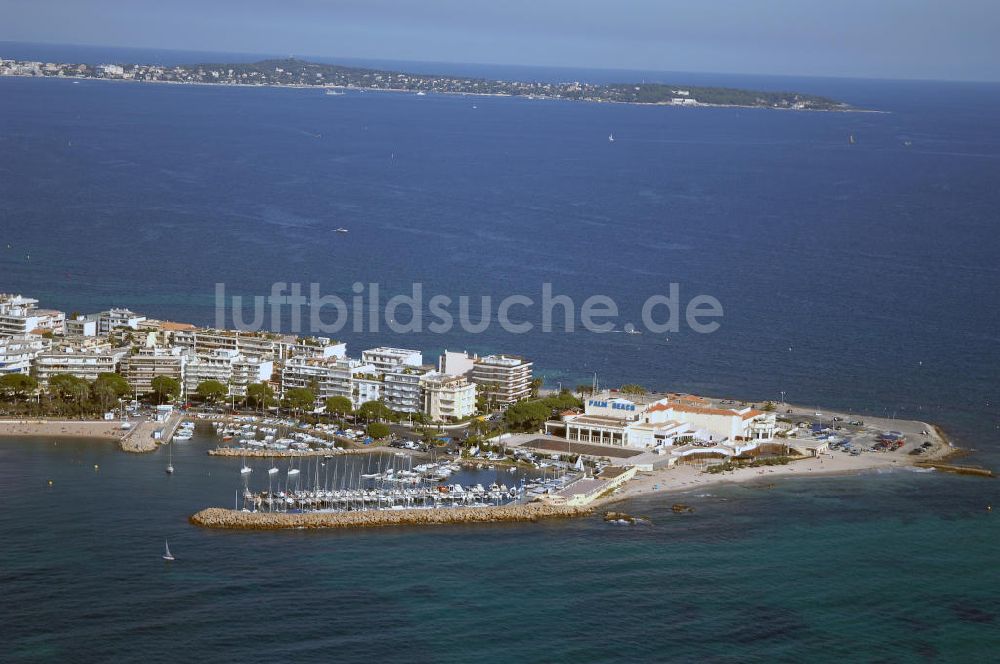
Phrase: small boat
(245, 469)
(340, 230)
(272, 471)
(611, 138)
(851, 139)
(170, 460)
(333, 93)
(421, 94)
(166, 553)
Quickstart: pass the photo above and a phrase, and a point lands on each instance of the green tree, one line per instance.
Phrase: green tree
(212, 390)
(768, 407)
(632, 388)
(536, 385)
(585, 390)
(165, 388)
(339, 406)
(260, 395)
(17, 385)
(478, 427)
(563, 401)
(300, 399)
(527, 415)
(377, 429)
(530, 415)
(115, 382)
(373, 411)
(103, 393)
(69, 387)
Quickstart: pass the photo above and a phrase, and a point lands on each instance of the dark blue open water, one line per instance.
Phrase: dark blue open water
(860, 276)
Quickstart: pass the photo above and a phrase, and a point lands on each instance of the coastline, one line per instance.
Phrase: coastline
(136, 439)
(293, 86)
(679, 479)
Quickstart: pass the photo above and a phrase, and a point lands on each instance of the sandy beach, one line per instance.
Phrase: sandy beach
(63, 428)
(138, 438)
(683, 478)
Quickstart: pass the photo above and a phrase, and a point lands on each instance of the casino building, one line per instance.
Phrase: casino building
(643, 422)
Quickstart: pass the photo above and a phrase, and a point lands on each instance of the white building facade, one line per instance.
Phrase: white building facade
(86, 362)
(447, 398)
(18, 353)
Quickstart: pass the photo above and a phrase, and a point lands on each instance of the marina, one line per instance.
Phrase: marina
(386, 482)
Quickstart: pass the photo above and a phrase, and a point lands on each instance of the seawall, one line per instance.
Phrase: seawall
(216, 517)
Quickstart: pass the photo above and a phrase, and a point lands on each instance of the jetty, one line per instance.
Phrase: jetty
(215, 517)
(958, 470)
(140, 438)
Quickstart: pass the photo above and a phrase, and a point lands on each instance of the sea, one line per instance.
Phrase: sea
(854, 256)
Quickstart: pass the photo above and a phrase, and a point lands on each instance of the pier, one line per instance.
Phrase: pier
(140, 439)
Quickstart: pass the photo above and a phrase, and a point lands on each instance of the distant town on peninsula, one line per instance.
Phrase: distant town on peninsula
(298, 73)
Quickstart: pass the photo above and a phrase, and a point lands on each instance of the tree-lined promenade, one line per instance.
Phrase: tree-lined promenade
(68, 396)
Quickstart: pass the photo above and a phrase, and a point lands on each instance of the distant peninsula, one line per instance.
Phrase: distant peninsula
(292, 72)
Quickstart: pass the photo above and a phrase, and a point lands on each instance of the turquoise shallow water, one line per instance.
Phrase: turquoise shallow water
(897, 567)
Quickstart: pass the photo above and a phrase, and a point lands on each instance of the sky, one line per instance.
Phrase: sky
(924, 39)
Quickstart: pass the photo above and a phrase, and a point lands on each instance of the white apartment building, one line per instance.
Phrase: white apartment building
(315, 347)
(502, 379)
(82, 361)
(447, 398)
(401, 390)
(229, 367)
(145, 364)
(385, 358)
(81, 326)
(17, 353)
(204, 340)
(19, 316)
(331, 376)
(114, 318)
(366, 388)
(456, 364)
(248, 370)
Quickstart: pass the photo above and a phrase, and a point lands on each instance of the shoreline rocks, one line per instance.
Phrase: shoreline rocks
(216, 517)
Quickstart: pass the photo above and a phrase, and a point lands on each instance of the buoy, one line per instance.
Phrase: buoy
(96, 466)
(50, 482)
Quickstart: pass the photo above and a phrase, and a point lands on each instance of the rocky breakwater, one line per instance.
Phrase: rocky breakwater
(216, 517)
